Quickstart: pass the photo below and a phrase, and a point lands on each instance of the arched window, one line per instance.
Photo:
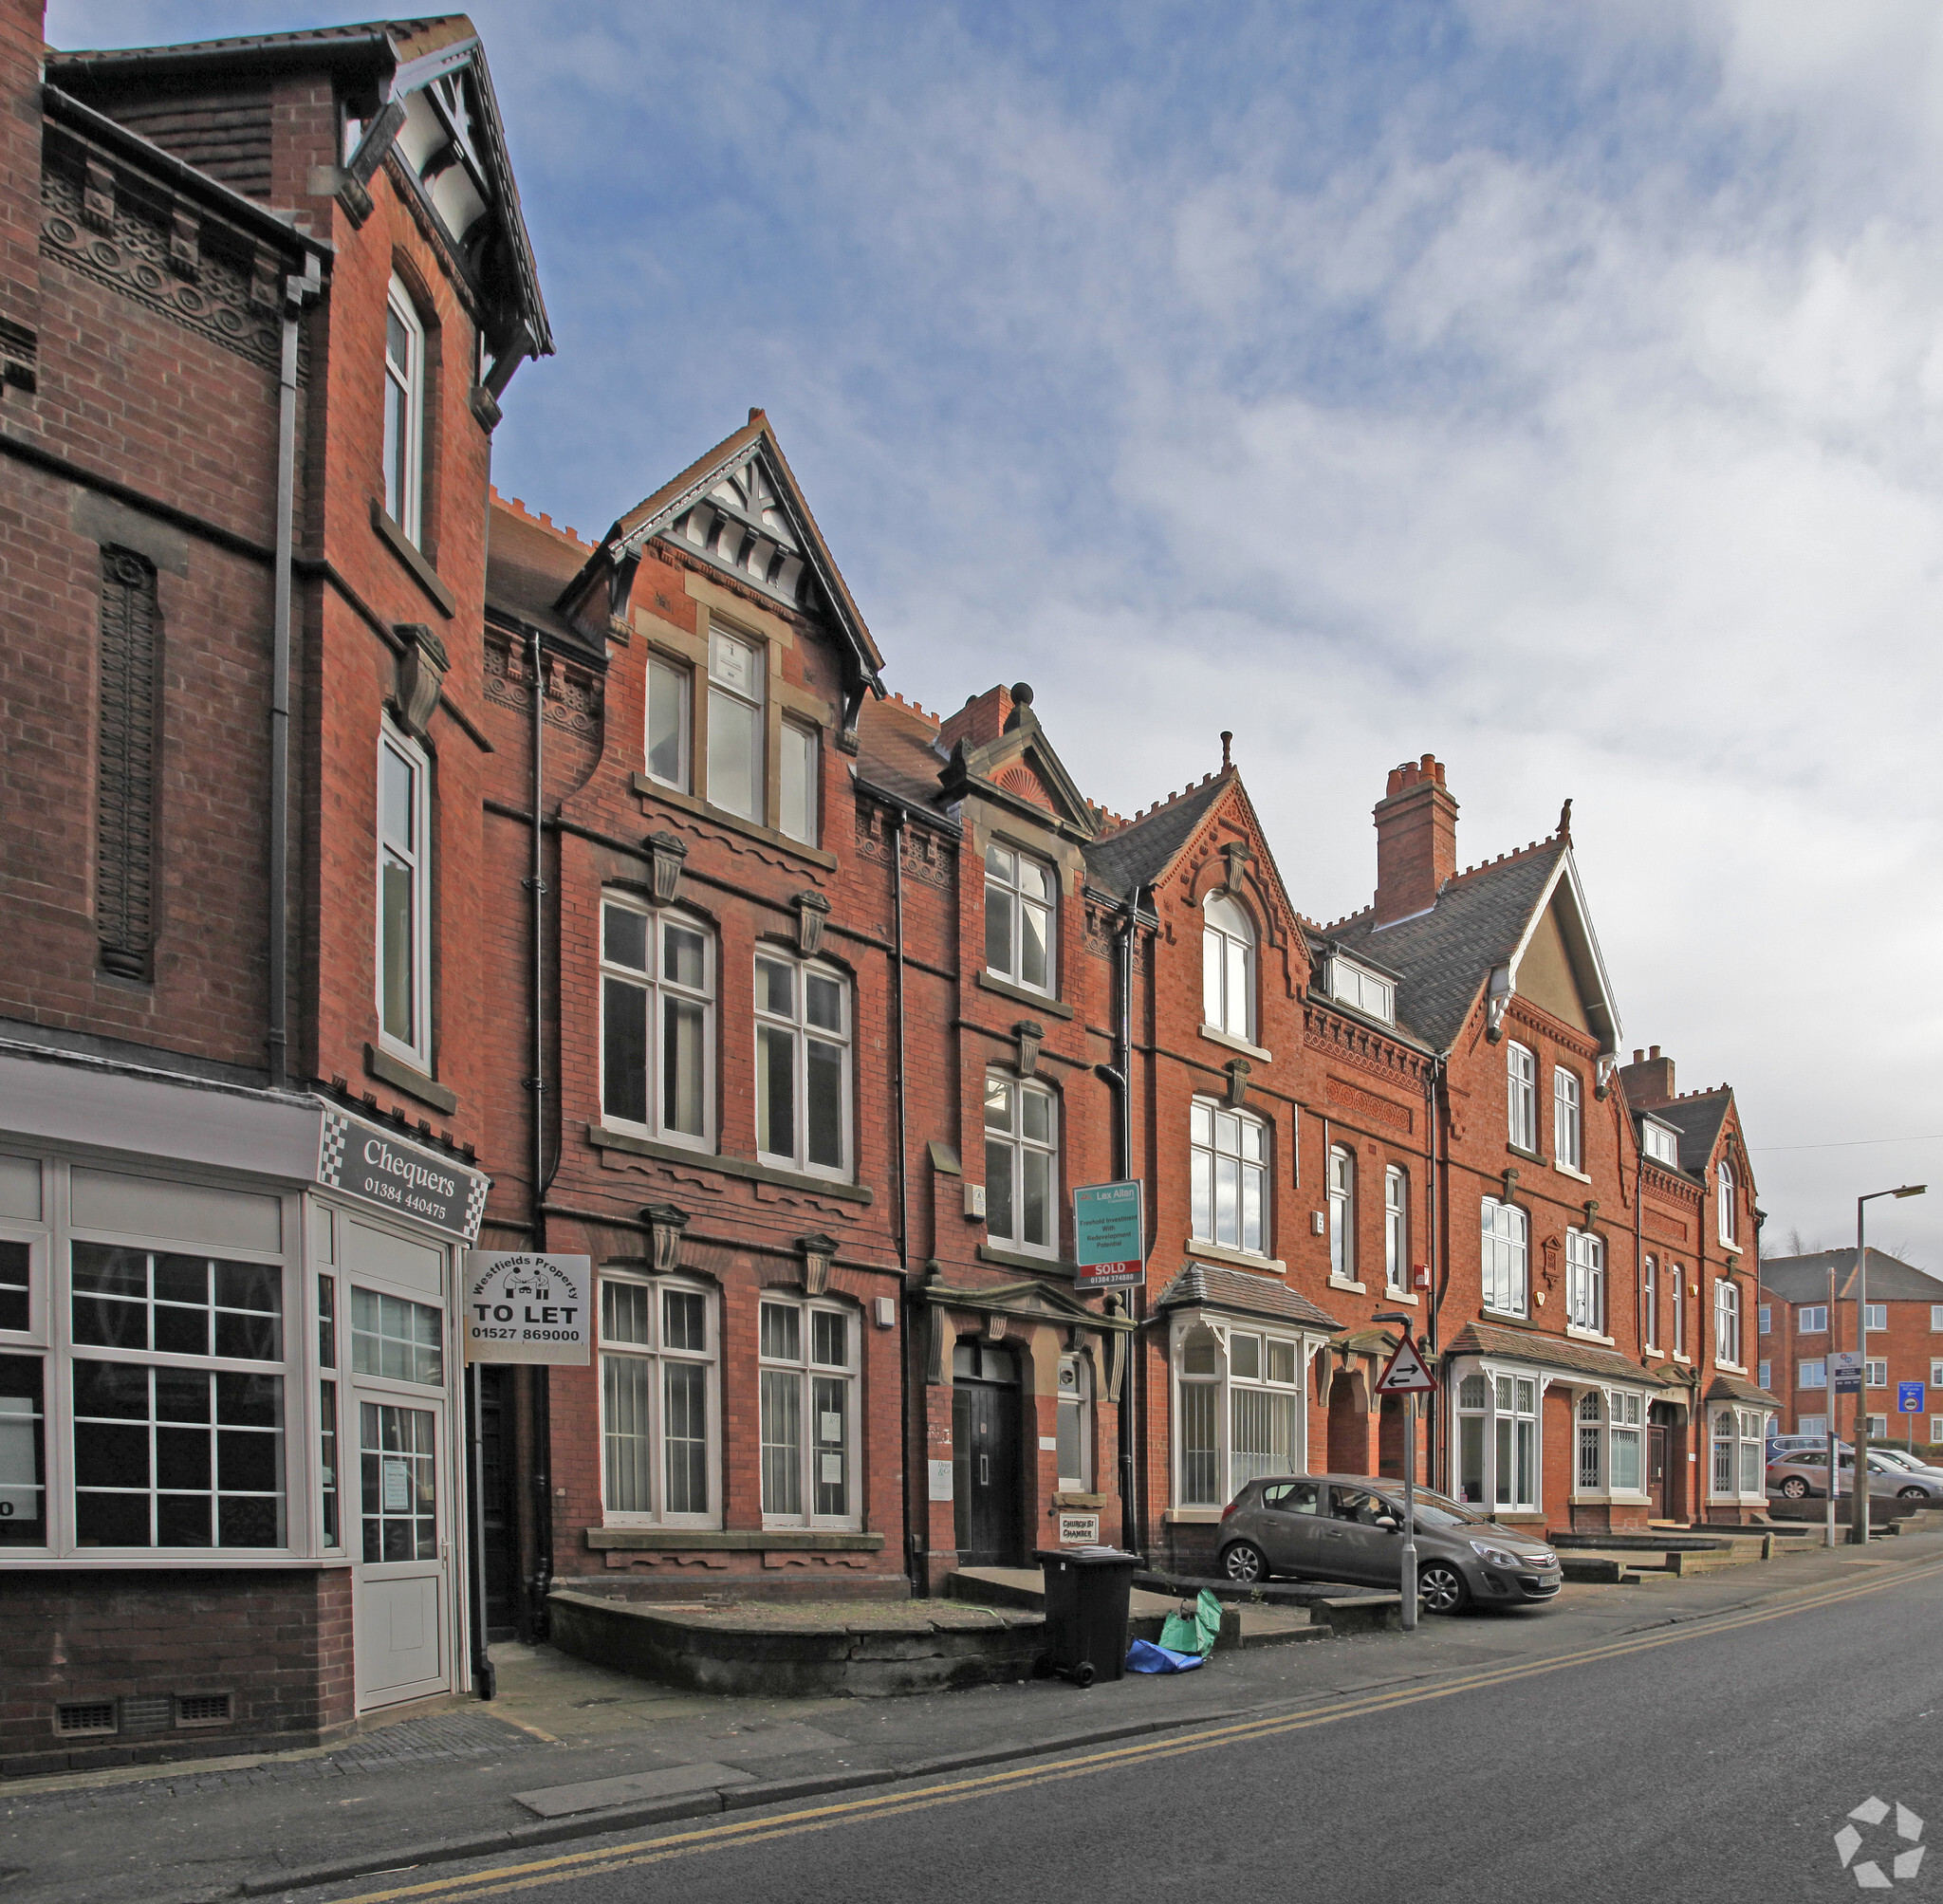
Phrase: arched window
(1505, 1256)
(1228, 968)
(1728, 1216)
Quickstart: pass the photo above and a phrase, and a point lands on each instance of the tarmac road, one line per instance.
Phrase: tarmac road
(1712, 1758)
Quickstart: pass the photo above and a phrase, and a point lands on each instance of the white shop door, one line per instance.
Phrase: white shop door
(403, 1614)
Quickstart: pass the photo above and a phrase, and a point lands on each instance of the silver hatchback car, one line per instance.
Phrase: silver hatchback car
(1350, 1528)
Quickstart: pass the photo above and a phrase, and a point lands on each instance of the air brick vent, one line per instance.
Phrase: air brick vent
(97, 1715)
(153, 1713)
(202, 1709)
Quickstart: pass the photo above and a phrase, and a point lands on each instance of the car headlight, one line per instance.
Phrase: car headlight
(1497, 1556)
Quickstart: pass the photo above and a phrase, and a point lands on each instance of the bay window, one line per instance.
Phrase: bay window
(1020, 899)
(1228, 957)
(1521, 1097)
(808, 1427)
(1505, 1256)
(657, 1406)
(1021, 1164)
(1738, 1467)
(658, 1040)
(1227, 1153)
(803, 1066)
(1610, 1432)
(1238, 1410)
(1498, 1441)
(1586, 1280)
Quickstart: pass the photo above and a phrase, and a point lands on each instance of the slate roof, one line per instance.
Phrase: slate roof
(1698, 1118)
(1738, 1388)
(896, 754)
(1804, 1279)
(1555, 1352)
(1243, 1292)
(527, 567)
(1443, 956)
(1139, 854)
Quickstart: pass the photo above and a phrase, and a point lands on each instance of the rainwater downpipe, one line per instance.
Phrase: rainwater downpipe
(296, 293)
(913, 1544)
(1438, 1406)
(1118, 1076)
(541, 1425)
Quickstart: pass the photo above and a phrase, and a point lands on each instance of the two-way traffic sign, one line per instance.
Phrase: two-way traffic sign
(1405, 1373)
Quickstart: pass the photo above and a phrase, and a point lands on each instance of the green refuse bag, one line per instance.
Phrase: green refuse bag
(1182, 1635)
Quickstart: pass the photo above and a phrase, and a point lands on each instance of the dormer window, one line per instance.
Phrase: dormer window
(1363, 990)
(1228, 959)
(1661, 1144)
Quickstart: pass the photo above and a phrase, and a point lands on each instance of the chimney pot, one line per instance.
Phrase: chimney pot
(1416, 839)
(1653, 1051)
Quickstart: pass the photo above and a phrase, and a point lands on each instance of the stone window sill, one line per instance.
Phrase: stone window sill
(1193, 1517)
(1567, 1170)
(1343, 1283)
(1083, 1500)
(1021, 994)
(1242, 1259)
(1578, 1334)
(654, 789)
(1530, 1157)
(387, 1069)
(413, 560)
(604, 1140)
(1215, 1036)
(1022, 1259)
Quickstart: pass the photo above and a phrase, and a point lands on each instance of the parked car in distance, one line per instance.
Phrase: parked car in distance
(1805, 1474)
(1350, 1528)
(1901, 1457)
(1781, 1445)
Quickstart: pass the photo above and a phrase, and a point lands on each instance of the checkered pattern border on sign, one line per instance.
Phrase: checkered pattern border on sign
(330, 1153)
(475, 1207)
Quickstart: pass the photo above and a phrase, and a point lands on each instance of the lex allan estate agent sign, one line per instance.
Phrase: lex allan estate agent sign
(526, 1308)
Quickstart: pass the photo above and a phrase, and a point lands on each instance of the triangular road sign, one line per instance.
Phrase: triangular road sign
(1405, 1373)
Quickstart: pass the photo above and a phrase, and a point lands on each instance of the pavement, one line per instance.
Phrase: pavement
(570, 1754)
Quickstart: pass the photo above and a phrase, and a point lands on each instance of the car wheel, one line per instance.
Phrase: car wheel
(1795, 1488)
(1440, 1588)
(1911, 1494)
(1245, 1564)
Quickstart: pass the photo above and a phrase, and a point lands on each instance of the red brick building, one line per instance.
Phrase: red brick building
(258, 301)
(1801, 1327)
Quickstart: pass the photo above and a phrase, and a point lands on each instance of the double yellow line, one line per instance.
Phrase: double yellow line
(505, 1879)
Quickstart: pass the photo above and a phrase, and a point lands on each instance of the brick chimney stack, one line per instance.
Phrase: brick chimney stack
(1649, 1080)
(979, 722)
(1416, 839)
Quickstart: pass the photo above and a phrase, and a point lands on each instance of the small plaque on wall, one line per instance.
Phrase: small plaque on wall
(1079, 1531)
(941, 1480)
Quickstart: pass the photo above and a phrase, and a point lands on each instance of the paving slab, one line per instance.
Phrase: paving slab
(632, 1788)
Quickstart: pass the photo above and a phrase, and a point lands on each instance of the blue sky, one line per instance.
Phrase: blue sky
(1556, 388)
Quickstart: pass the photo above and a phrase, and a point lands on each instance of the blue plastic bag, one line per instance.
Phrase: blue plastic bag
(1144, 1656)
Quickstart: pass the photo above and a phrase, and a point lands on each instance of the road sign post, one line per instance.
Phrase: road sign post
(1406, 1375)
(1909, 1401)
(1109, 1235)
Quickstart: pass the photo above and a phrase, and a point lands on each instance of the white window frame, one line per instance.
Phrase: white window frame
(1219, 1134)
(1505, 1257)
(1875, 1318)
(1343, 1255)
(808, 1371)
(1679, 1291)
(1729, 1201)
(416, 860)
(1766, 1374)
(1659, 1143)
(1812, 1320)
(1937, 1373)
(1609, 1435)
(1935, 1429)
(1004, 879)
(1811, 1424)
(1736, 1454)
(1813, 1373)
(1396, 1229)
(1936, 1319)
(679, 677)
(407, 473)
(658, 991)
(1875, 1371)
(1585, 1282)
(657, 1356)
(1568, 1122)
(1504, 1411)
(1766, 1313)
(723, 692)
(804, 1034)
(1012, 1140)
(1521, 1097)
(1221, 1346)
(1073, 1424)
(1878, 1428)
(1227, 966)
(1363, 989)
(798, 809)
(1649, 1303)
(1727, 1322)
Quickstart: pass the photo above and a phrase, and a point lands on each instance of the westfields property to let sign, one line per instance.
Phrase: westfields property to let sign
(1109, 1235)
(520, 1308)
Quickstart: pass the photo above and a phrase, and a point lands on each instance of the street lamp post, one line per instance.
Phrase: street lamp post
(1858, 1506)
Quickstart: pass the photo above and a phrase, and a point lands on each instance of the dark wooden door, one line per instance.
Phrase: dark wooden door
(985, 1458)
(1655, 1471)
(496, 1442)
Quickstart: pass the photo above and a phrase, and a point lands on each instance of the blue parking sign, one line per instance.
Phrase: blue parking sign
(1908, 1397)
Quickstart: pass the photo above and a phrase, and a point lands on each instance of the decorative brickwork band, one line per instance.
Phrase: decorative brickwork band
(126, 764)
